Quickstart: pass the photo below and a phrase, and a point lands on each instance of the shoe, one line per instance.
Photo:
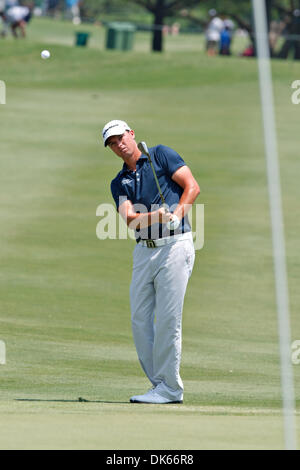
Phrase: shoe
(154, 397)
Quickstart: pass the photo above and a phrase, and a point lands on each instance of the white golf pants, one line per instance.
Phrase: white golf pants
(159, 280)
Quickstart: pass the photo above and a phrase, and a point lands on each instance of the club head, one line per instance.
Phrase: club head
(142, 146)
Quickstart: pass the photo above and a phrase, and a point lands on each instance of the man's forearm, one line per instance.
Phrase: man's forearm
(187, 199)
(140, 221)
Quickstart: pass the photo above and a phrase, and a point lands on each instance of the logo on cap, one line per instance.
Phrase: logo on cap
(106, 130)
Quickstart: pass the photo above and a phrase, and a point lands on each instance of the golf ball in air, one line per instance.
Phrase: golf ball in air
(45, 54)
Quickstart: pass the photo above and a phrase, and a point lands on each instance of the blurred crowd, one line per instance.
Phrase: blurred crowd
(219, 33)
(71, 9)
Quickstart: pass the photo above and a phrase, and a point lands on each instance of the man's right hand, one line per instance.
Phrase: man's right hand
(163, 215)
(139, 221)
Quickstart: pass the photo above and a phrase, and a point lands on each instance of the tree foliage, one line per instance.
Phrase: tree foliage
(94, 9)
(281, 17)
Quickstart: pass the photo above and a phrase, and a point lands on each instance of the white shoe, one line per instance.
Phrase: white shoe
(152, 396)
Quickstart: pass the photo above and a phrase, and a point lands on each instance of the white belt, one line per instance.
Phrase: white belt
(165, 240)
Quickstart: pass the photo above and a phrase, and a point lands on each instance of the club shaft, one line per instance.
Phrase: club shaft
(143, 149)
(156, 180)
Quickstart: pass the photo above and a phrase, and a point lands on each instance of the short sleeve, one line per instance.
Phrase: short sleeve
(118, 193)
(169, 159)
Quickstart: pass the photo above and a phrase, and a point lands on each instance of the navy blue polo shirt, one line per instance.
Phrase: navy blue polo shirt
(140, 188)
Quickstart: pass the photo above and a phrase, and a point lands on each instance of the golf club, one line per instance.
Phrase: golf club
(142, 146)
(172, 224)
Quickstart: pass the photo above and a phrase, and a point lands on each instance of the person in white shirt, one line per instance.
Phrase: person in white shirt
(18, 17)
(213, 33)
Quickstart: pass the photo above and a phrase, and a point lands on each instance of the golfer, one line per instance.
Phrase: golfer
(163, 258)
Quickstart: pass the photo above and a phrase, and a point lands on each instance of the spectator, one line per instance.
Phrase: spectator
(50, 7)
(175, 28)
(229, 24)
(225, 41)
(213, 33)
(73, 11)
(17, 18)
(249, 51)
(2, 17)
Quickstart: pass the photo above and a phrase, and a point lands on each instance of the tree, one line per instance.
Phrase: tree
(283, 17)
(292, 29)
(95, 9)
(162, 9)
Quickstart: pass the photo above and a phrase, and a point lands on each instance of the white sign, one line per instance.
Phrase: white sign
(295, 95)
(2, 92)
(296, 352)
(2, 353)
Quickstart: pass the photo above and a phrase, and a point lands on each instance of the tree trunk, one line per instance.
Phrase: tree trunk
(297, 50)
(291, 44)
(285, 49)
(268, 12)
(157, 40)
(296, 31)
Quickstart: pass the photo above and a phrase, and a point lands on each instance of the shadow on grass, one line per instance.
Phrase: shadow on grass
(78, 400)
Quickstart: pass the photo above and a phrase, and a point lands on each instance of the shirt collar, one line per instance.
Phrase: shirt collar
(125, 168)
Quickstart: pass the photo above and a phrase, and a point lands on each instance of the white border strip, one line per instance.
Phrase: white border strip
(273, 171)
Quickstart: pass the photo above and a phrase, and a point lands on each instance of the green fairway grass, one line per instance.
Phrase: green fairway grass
(116, 426)
(64, 294)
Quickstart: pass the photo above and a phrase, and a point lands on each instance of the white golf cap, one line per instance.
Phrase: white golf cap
(115, 127)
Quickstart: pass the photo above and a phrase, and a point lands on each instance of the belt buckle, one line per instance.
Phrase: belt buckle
(150, 243)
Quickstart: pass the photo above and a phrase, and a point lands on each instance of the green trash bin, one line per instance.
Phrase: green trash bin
(82, 38)
(128, 36)
(120, 36)
(114, 36)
